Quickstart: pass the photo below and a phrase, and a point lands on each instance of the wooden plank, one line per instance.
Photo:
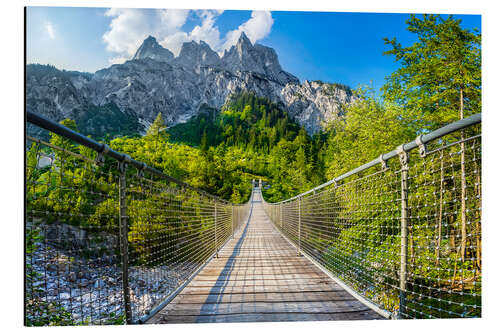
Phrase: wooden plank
(259, 277)
(265, 297)
(261, 289)
(267, 317)
(264, 275)
(291, 283)
(183, 309)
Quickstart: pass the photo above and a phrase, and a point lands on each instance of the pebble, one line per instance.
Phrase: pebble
(64, 296)
(96, 287)
(71, 277)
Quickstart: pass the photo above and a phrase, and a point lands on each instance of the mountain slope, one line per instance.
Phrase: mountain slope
(180, 87)
(246, 120)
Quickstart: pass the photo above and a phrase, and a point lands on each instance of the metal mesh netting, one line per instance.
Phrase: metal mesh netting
(172, 232)
(73, 271)
(354, 230)
(106, 247)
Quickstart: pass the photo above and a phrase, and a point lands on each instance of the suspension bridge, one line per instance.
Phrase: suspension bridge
(259, 276)
(111, 240)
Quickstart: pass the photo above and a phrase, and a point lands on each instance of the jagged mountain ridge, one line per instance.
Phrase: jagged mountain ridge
(151, 49)
(155, 81)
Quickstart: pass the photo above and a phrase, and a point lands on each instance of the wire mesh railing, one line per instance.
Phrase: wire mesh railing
(108, 239)
(403, 235)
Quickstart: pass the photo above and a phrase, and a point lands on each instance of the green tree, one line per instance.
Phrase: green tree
(204, 142)
(156, 130)
(62, 142)
(245, 115)
(439, 80)
(370, 127)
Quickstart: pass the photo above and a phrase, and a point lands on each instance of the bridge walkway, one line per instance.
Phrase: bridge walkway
(259, 277)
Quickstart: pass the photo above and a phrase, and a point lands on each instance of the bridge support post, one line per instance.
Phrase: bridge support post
(123, 225)
(232, 220)
(300, 225)
(215, 229)
(281, 216)
(403, 158)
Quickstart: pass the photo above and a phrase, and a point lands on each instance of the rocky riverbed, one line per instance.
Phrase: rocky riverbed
(91, 290)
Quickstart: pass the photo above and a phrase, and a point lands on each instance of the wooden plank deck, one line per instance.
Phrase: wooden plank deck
(259, 277)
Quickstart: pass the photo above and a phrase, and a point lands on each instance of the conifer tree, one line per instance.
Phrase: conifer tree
(156, 127)
(439, 80)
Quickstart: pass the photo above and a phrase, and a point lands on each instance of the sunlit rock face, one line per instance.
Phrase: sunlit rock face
(155, 81)
(151, 49)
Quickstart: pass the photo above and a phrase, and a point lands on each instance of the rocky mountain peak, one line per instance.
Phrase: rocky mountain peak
(151, 49)
(195, 54)
(243, 43)
(130, 95)
(256, 58)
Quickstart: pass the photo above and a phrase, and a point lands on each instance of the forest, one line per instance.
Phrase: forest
(252, 137)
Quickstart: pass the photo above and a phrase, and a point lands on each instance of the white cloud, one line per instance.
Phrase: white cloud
(206, 32)
(129, 27)
(50, 30)
(171, 20)
(257, 27)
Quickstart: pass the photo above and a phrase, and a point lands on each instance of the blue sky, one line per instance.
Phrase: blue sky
(328, 46)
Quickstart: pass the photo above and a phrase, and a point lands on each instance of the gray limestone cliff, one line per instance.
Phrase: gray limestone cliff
(151, 49)
(155, 81)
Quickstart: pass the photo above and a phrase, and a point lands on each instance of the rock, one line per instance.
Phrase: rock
(257, 59)
(151, 49)
(83, 283)
(64, 296)
(194, 56)
(99, 284)
(71, 277)
(178, 87)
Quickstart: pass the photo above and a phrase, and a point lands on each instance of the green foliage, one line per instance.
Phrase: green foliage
(258, 140)
(191, 132)
(156, 128)
(371, 127)
(438, 73)
(105, 122)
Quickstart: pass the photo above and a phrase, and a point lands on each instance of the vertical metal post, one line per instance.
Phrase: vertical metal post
(215, 218)
(232, 220)
(403, 158)
(300, 223)
(281, 216)
(123, 223)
